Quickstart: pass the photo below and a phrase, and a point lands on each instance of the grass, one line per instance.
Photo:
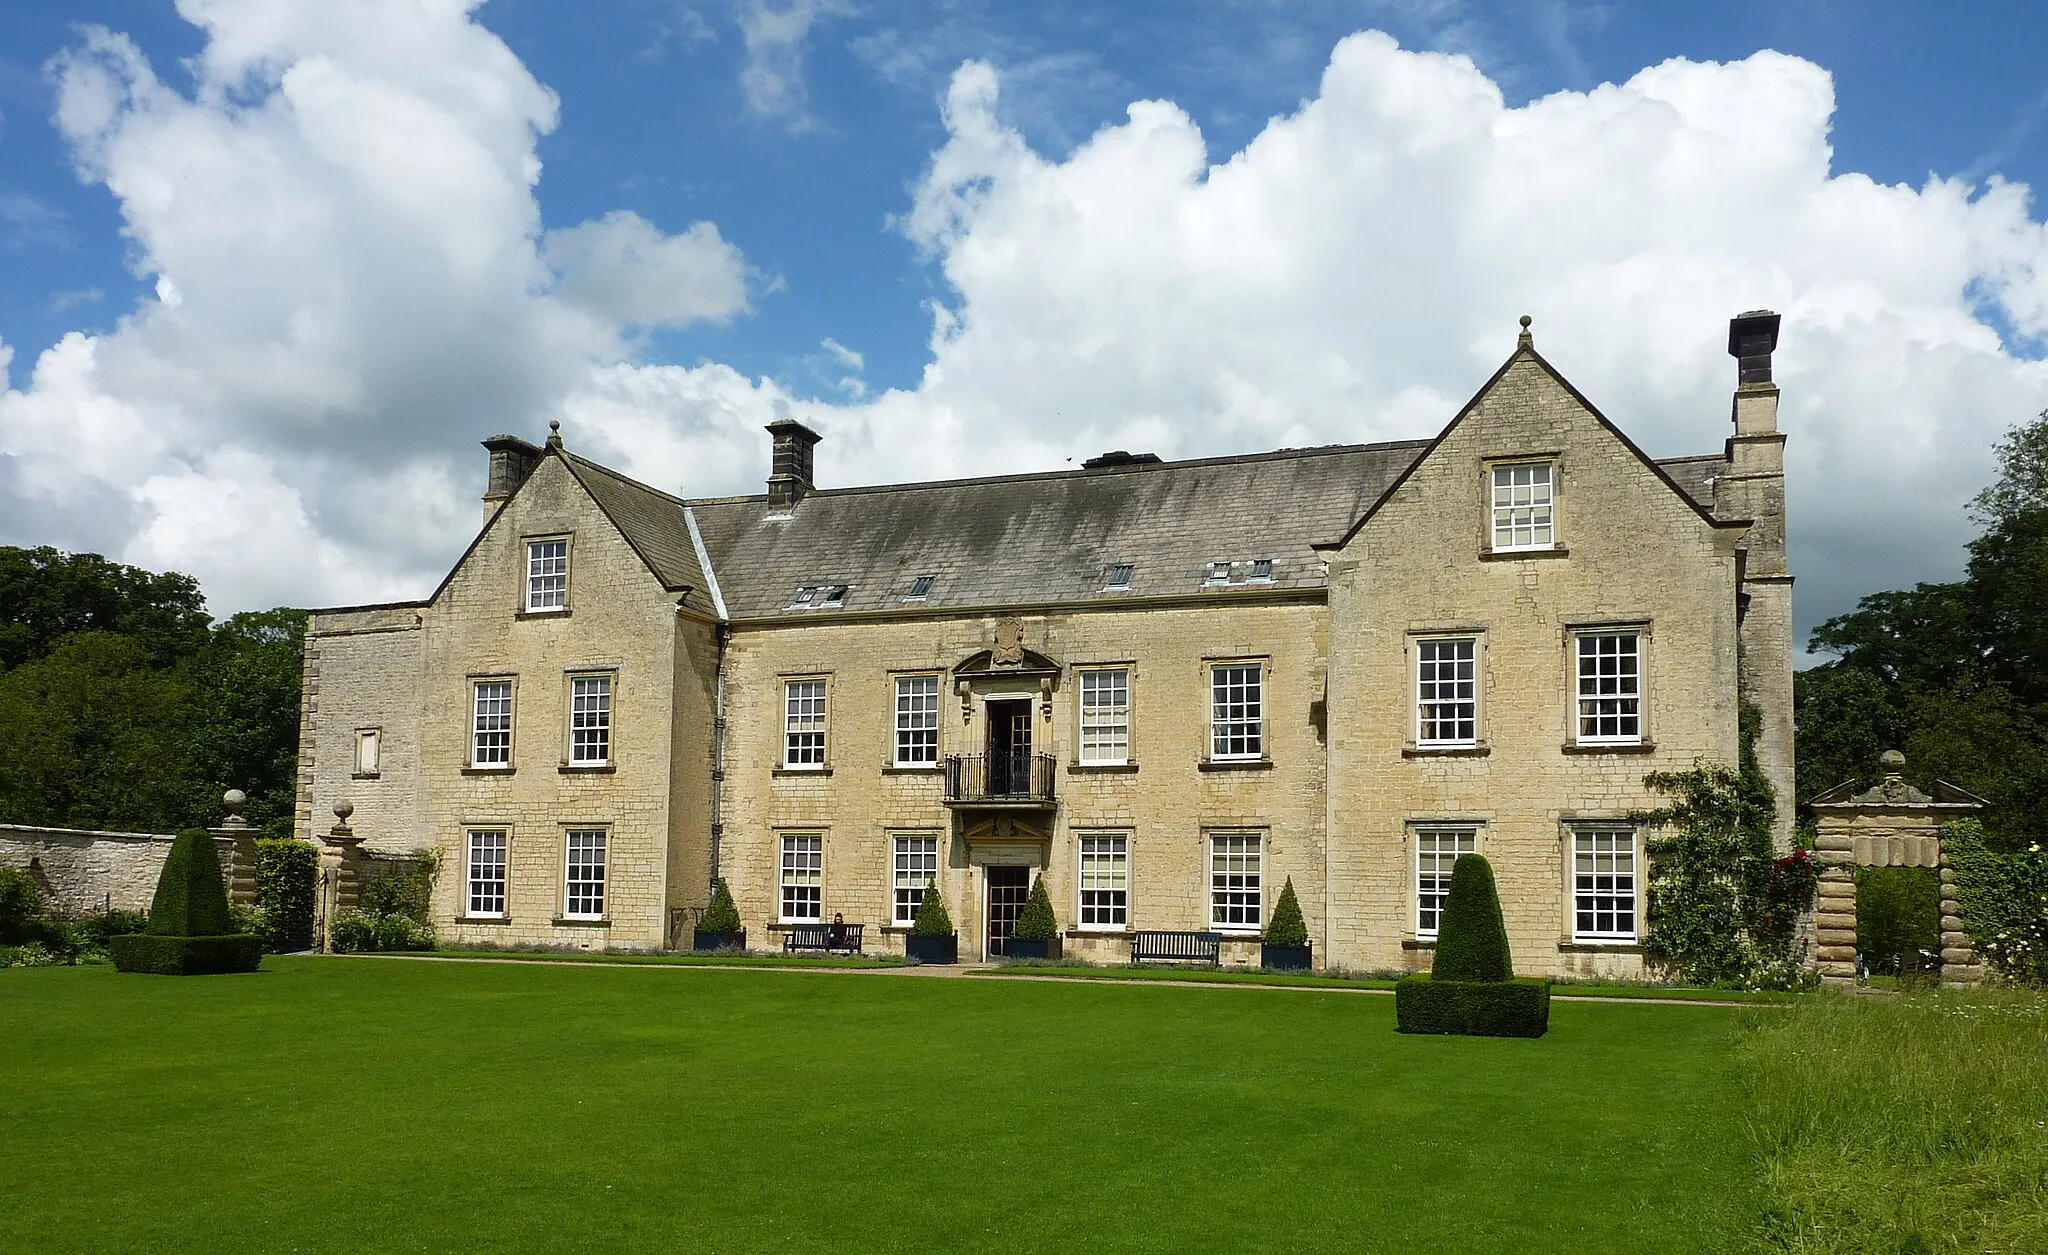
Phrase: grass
(327, 1104)
(1226, 976)
(1904, 1124)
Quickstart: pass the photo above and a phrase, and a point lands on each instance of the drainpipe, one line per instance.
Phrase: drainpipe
(723, 633)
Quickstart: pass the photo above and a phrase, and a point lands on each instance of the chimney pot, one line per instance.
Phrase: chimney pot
(789, 473)
(1752, 338)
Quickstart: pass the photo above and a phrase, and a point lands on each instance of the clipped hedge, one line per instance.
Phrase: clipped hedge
(287, 882)
(1472, 941)
(190, 931)
(722, 916)
(186, 956)
(1287, 928)
(1508, 1008)
(1471, 990)
(1036, 921)
(932, 919)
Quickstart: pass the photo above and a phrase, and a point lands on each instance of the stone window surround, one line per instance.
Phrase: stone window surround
(896, 837)
(602, 917)
(1129, 761)
(470, 766)
(1413, 746)
(1567, 828)
(524, 608)
(372, 734)
(1210, 759)
(1123, 837)
(470, 833)
(1555, 458)
(1642, 625)
(569, 764)
(1260, 840)
(1412, 841)
(782, 764)
(784, 837)
(895, 762)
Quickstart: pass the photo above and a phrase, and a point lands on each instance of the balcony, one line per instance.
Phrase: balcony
(1021, 781)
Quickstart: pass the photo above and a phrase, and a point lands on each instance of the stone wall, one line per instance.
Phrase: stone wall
(84, 871)
(1631, 554)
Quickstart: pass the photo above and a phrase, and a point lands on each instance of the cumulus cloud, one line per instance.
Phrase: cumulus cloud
(343, 207)
(351, 282)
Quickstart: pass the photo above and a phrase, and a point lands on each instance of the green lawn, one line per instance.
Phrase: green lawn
(378, 1104)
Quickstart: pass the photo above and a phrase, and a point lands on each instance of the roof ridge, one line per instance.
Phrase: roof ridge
(1141, 468)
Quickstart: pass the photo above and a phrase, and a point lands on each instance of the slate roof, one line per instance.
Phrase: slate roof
(651, 520)
(1026, 540)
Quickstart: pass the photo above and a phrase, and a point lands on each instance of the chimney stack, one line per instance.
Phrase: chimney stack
(789, 474)
(1752, 338)
(512, 460)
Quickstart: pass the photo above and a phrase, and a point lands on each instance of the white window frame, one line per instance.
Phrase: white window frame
(1610, 695)
(369, 751)
(1104, 726)
(486, 873)
(1237, 881)
(808, 722)
(492, 723)
(800, 877)
(547, 575)
(914, 865)
(1523, 497)
(1237, 710)
(917, 721)
(587, 890)
(1437, 847)
(1102, 894)
(1431, 699)
(590, 718)
(1607, 884)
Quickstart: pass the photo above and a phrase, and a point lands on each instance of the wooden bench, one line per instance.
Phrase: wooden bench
(1154, 946)
(817, 939)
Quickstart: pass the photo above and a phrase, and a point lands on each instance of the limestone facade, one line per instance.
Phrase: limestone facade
(816, 694)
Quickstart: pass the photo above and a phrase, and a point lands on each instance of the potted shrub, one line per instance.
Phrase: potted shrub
(1284, 948)
(719, 928)
(190, 932)
(932, 939)
(1037, 935)
(1471, 988)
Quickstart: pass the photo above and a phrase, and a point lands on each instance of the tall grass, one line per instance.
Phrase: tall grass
(1903, 1124)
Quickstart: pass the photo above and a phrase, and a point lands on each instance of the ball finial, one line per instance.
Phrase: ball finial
(234, 800)
(1526, 321)
(1892, 761)
(555, 425)
(342, 810)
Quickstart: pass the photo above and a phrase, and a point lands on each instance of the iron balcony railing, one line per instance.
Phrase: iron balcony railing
(1019, 777)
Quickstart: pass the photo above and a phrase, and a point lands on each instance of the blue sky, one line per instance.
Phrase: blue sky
(857, 189)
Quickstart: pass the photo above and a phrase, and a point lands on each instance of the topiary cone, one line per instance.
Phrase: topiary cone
(1471, 940)
(191, 894)
(1287, 927)
(722, 916)
(932, 920)
(1036, 921)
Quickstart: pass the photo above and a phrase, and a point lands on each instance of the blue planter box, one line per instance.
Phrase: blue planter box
(705, 943)
(1284, 958)
(944, 949)
(1032, 948)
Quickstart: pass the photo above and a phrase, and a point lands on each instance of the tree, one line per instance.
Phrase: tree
(46, 595)
(2022, 483)
(246, 733)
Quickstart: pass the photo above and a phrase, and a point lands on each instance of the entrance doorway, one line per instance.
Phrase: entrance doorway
(1007, 889)
(1009, 748)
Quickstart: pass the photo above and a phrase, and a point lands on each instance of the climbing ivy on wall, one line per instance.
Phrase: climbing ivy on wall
(1723, 910)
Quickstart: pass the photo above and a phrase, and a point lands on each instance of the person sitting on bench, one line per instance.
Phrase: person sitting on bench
(835, 936)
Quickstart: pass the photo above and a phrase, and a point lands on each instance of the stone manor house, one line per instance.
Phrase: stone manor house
(1164, 688)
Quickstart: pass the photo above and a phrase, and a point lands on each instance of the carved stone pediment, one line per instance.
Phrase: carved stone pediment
(1029, 663)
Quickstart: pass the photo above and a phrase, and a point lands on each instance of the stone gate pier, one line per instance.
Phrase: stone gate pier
(1890, 825)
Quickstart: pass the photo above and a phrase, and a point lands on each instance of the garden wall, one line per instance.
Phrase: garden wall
(83, 870)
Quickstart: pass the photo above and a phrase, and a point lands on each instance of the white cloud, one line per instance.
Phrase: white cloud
(776, 38)
(344, 206)
(350, 285)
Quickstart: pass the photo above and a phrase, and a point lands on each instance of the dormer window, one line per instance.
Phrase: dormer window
(1219, 573)
(1116, 578)
(1523, 505)
(819, 597)
(547, 575)
(1261, 572)
(920, 588)
(1252, 571)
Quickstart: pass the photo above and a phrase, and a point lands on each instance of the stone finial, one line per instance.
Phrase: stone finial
(232, 802)
(342, 810)
(554, 433)
(1525, 340)
(1892, 761)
